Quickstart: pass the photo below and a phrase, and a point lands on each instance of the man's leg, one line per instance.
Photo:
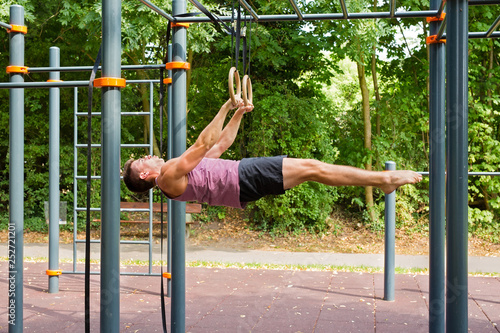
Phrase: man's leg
(296, 171)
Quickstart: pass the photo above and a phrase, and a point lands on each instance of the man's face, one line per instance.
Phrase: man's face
(148, 165)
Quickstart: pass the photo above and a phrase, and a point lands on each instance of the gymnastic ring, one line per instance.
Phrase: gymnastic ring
(233, 74)
(247, 90)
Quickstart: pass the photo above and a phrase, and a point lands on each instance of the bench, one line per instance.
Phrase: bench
(191, 208)
(138, 207)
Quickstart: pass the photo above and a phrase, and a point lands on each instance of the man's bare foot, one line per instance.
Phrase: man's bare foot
(400, 177)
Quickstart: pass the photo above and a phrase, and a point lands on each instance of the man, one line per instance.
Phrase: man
(200, 175)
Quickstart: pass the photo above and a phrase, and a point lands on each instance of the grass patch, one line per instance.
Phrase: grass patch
(224, 265)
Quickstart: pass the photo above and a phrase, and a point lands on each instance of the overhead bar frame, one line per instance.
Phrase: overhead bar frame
(249, 9)
(297, 10)
(158, 10)
(493, 27)
(318, 17)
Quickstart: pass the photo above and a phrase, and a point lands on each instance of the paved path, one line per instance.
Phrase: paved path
(249, 300)
(140, 252)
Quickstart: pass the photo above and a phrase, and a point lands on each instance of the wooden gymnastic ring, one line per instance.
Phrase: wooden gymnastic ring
(247, 90)
(233, 73)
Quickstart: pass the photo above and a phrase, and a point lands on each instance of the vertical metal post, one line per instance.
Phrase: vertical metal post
(457, 185)
(54, 139)
(110, 168)
(178, 319)
(437, 181)
(16, 177)
(170, 131)
(390, 240)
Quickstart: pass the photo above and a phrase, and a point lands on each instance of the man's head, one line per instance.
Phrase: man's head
(139, 175)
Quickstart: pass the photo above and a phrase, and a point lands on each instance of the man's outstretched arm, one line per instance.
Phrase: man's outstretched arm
(175, 170)
(229, 133)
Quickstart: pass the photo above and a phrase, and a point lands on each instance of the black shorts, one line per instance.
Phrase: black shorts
(260, 176)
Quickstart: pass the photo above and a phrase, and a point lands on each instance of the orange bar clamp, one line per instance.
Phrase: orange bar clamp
(177, 65)
(434, 19)
(109, 82)
(18, 28)
(432, 40)
(53, 272)
(184, 25)
(17, 69)
(168, 80)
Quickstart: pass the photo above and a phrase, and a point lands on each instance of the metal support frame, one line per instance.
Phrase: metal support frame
(318, 17)
(62, 84)
(16, 179)
(437, 179)
(110, 168)
(54, 151)
(170, 139)
(493, 27)
(179, 77)
(249, 9)
(157, 10)
(457, 166)
(392, 8)
(456, 205)
(296, 9)
(390, 240)
(5, 25)
(441, 30)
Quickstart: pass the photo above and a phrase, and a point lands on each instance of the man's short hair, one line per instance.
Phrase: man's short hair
(132, 180)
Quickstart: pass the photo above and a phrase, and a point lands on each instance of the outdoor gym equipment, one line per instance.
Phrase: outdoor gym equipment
(457, 131)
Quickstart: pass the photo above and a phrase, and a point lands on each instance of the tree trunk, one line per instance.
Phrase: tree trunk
(365, 95)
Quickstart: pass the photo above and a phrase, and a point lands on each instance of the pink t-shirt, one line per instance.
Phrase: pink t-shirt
(214, 181)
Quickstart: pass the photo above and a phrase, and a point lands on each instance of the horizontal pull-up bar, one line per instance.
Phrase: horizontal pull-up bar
(60, 84)
(318, 17)
(478, 35)
(89, 68)
(123, 113)
(64, 84)
(5, 25)
(470, 173)
(483, 2)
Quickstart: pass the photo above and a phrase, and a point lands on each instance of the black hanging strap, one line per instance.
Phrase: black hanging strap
(163, 308)
(249, 41)
(238, 36)
(244, 45)
(89, 171)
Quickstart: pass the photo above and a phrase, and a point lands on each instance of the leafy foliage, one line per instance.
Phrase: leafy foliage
(305, 92)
